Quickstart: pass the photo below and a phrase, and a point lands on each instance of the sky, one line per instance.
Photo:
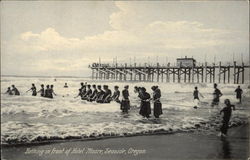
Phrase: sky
(61, 38)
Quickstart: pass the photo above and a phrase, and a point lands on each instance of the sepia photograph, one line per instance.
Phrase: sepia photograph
(125, 80)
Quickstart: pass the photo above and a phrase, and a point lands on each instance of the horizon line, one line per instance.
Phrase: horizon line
(64, 76)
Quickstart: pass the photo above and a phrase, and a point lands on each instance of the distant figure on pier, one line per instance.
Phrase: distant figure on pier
(157, 102)
(33, 89)
(196, 94)
(227, 112)
(15, 91)
(42, 91)
(100, 94)
(116, 95)
(107, 94)
(145, 109)
(217, 94)
(9, 91)
(239, 92)
(94, 94)
(125, 103)
(65, 85)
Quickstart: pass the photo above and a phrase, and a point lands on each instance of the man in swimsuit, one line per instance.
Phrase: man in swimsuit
(227, 112)
(52, 91)
(116, 94)
(47, 92)
(88, 93)
(239, 93)
(107, 95)
(196, 94)
(217, 94)
(100, 94)
(33, 89)
(125, 104)
(94, 94)
(15, 91)
(9, 91)
(65, 85)
(42, 91)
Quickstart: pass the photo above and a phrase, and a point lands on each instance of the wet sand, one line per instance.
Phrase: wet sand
(172, 146)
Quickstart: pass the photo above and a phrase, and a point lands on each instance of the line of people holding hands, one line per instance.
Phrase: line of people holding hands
(47, 93)
(102, 94)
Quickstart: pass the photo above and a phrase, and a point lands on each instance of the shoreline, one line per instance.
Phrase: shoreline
(161, 146)
(193, 130)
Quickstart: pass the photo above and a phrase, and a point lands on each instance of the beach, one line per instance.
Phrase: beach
(171, 146)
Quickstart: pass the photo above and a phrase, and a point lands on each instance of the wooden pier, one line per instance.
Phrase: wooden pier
(203, 73)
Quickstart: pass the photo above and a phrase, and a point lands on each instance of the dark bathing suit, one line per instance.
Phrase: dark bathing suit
(33, 91)
(125, 104)
(196, 96)
(42, 92)
(157, 103)
(145, 109)
(216, 94)
(226, 118)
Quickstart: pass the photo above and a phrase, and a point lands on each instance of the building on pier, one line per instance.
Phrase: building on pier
(186, 62)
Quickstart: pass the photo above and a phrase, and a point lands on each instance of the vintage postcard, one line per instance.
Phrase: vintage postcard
(121, 80)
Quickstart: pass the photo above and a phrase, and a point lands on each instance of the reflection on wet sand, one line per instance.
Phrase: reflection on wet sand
(226, 148)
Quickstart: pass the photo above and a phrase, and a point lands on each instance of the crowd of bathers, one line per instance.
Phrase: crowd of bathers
(102, 94)
(47, 93)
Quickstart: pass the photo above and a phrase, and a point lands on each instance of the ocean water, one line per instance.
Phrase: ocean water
(28, 119)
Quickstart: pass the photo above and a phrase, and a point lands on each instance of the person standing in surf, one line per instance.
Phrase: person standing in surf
(145, 109)
(157, 102)
(83, 92)
(196, 94)
(239, 92)
(94, 94)
(107, 94)
(88, 93)
(227, 112)
(47, 92)
(217, 94)
(42, 91)
(82, 86)
(15, 91)
(65, 85)
(100, 94)
(52, 91)
(33, 89)
(125, 103)
(9, 91)
(116, 95)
